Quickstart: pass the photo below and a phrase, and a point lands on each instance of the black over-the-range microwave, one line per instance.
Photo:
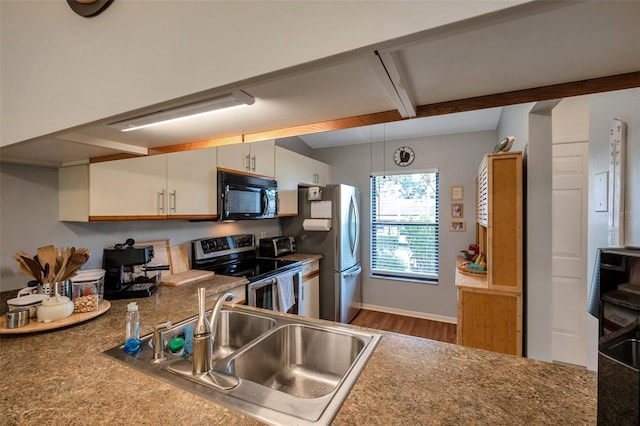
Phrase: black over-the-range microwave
(246, 197)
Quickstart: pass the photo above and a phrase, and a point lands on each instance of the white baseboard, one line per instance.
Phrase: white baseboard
(414, 314)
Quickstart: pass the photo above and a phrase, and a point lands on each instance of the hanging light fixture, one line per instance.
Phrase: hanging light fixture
(234, 99)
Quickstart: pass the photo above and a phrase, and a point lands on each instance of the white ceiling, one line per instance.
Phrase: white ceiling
(464, 122)
(564, 43)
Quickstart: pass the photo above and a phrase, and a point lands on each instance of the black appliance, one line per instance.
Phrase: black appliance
(235, 256)
(246, 197)
(615, 291)
(276, 246)
(615, 300)
(125, 272)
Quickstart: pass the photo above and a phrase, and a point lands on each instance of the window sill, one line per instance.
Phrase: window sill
(406, 279)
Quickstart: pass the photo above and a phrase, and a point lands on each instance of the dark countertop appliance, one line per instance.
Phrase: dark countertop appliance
(246, 197)
(235, 255)
(125, 272)
(615, 300)
(276, 246)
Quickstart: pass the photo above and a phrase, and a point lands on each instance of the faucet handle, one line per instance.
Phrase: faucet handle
(158, 350)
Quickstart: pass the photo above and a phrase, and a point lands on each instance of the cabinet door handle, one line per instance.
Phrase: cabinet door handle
(253, 163)
(172, 196)
(248, 162)
(161, 201)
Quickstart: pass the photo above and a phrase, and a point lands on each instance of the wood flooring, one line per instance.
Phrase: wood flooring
(411, 326)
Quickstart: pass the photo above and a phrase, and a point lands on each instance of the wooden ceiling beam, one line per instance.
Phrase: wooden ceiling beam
(543, 93)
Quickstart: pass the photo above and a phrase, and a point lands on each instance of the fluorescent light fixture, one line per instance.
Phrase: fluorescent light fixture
(234, 99)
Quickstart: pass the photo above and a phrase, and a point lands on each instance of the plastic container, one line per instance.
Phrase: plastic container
(132, 330)
(88, 290)
(30, 301)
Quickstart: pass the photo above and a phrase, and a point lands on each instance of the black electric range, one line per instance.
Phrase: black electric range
(235, 256)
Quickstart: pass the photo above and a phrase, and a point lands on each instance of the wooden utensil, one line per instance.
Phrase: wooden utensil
(75, 262)
(47, 254)
(34, 267)
(22, 265)
(61, 272)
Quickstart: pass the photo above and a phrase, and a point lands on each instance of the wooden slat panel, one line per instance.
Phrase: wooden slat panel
(505, 223)
(490, 321)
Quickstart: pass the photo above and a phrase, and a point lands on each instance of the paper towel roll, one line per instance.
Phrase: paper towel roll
(317, 224)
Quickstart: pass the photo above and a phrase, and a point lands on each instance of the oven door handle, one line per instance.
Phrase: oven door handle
(260, 284)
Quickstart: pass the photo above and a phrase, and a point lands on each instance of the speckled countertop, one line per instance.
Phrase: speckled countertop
(62, 377)
(302, 257)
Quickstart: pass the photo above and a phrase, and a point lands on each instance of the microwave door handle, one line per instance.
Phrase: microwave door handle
(224, 201)
(265, 202)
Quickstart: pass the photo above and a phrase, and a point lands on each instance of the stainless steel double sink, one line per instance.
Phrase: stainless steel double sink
(287, 369)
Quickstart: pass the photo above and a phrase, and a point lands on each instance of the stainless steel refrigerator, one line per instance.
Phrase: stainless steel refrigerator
(340, 269)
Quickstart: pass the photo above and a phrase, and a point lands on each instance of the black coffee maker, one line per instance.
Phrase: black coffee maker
(126, 275)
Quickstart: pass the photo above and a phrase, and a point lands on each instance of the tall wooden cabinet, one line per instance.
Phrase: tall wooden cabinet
(490, 306)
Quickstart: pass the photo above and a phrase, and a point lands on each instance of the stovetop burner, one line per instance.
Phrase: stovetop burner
(236, 256)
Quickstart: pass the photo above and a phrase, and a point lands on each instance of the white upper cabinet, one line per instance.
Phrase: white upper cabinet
(176, 185)
(192, 183)
(293, 169)
(255, 158)
(130, 187)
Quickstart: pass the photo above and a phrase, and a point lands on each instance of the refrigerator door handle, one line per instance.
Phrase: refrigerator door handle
(352, 274)
(356, 225)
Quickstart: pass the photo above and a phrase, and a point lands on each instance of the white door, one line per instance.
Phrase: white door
(569, 257)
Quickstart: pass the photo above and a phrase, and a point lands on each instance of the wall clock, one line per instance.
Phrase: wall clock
(404, 156)
(88, 8)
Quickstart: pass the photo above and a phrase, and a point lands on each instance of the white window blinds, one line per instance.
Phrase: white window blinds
(404, 226)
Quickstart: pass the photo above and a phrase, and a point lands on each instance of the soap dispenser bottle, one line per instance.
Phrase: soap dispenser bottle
(132, 331)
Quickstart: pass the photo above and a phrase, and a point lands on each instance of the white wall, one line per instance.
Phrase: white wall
(532, 126)
(457, 157)
(29, 219)
(570, 120)
(61, 70)
(568, 123)
(624, 105)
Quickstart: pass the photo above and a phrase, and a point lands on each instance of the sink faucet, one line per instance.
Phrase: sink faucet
(204, 333)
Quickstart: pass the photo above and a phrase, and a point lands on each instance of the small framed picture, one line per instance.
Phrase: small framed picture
(456, 192)
(457, 210)
(457, 226)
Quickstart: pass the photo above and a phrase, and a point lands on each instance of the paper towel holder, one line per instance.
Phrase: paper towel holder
(314, 193)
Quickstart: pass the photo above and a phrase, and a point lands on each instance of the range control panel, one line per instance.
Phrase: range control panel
(207, 248)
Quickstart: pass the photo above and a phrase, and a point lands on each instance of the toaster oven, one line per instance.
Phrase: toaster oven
(276, 246)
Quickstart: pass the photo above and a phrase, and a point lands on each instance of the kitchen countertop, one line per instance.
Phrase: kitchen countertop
(301, 257)
(62, 377)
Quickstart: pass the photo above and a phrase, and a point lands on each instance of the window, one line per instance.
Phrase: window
(404, 226)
